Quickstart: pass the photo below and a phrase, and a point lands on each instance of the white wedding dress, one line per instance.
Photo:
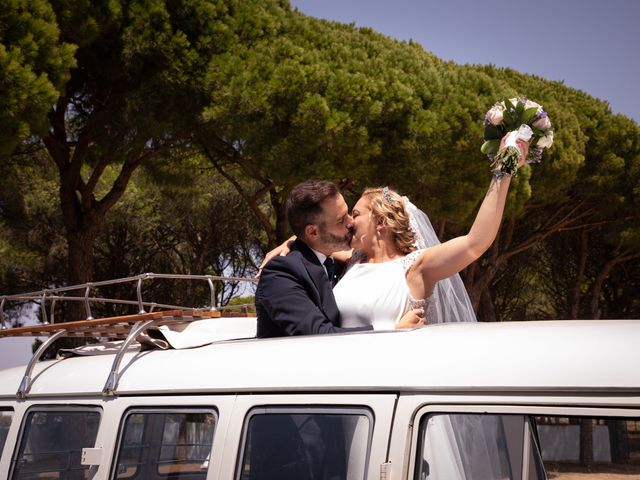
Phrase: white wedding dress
(377, 293)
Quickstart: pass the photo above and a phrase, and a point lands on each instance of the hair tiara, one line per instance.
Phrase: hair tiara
(387, 195)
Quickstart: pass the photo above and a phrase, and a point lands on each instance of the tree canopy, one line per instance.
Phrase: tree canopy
(165, 121)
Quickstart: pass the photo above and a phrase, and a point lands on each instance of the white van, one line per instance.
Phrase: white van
(517, 400)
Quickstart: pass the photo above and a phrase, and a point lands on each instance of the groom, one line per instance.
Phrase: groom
(294, 295)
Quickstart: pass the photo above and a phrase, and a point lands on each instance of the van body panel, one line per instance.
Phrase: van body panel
(563, 356)
(112, 413)
(398, 379)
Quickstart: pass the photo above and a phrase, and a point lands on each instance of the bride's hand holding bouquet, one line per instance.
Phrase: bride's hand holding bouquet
(510, 124)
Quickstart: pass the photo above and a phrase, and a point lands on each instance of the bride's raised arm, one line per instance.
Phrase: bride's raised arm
(442, 261)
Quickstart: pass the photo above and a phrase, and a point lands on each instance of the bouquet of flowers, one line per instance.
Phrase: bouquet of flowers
(520, 119)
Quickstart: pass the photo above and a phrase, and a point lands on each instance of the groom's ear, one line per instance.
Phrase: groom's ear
(311, 231)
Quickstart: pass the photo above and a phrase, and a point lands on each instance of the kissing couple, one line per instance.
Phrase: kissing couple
(397, 274)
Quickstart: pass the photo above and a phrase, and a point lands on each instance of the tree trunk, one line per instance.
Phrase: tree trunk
(618, 257)
(586, 442)
(486, 311)
(482, 277)
(80, 270)
(83, 215)
(582, 265)
(80, 267)
(282, 225)
(618, 441)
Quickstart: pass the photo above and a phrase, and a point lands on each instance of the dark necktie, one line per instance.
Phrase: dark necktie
(330, 266)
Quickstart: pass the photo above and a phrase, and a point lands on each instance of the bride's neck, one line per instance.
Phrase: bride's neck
(382, 251)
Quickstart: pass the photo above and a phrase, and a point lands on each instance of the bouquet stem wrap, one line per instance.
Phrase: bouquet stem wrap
(506, 161)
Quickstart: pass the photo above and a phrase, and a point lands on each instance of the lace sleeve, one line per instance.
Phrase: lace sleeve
(408, 260)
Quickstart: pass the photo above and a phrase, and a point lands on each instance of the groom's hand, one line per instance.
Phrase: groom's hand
(412, 319)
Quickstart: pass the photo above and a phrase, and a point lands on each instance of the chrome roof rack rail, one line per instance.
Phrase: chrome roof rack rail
(109, 389)
(25, 384)
(163, 318)
(127, 327)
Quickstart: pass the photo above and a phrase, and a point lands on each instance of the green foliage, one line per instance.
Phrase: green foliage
(270, 97)
(134, 94)
(34, 66)
(32, 244)
(179, 216)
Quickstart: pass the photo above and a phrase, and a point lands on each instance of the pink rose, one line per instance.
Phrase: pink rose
(495, 115)
(542, 122)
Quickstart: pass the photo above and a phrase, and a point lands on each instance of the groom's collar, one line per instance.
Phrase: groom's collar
(307, 252)
(321, 256)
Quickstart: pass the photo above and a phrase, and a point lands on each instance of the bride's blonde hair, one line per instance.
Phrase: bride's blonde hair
(388, 205)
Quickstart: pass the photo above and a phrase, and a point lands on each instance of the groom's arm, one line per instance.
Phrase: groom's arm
(282, 297)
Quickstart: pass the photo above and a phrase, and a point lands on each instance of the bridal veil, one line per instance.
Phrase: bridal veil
(450, 301)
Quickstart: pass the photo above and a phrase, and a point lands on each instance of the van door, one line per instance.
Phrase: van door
(166, 437)
(484, 441)
(308, 437)
(7, 415)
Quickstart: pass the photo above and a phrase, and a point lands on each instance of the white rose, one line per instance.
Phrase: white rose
(495, 115)
(546, 141)
(529, 104)
(543, 123)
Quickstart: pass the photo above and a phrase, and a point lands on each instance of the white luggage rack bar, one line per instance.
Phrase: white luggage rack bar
(125, 327)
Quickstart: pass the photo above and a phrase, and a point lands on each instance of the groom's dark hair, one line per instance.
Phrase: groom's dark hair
(304, 203)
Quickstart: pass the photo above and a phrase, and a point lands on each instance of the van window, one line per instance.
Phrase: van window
(590, 447)
(306, 444)
(52, 441)
(173, 443)
(5, 423)
(478, 447)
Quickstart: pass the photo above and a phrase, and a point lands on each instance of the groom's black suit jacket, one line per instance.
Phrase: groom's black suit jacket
(295, 297)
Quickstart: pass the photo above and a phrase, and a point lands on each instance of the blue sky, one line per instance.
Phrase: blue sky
(591, 45)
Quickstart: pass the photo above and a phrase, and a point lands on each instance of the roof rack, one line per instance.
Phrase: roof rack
(126, 327)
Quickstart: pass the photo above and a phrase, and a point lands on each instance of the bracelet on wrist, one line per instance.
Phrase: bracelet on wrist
(497, 174)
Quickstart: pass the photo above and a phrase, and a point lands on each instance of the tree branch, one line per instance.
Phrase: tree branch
(251, 200)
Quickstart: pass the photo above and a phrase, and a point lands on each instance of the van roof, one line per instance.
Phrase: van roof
(559, 356)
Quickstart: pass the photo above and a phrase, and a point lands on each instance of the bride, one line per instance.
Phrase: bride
(396, 264)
